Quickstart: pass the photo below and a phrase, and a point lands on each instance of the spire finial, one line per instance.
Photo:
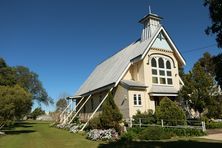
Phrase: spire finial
(150, 10)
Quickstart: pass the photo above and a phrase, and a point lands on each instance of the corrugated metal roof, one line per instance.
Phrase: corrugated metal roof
(132, 83)
(110, 70)
(163, 89)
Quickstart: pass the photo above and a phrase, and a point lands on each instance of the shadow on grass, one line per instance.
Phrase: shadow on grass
(16, 132)
(23, 128)
(160, 144)
(23, 125)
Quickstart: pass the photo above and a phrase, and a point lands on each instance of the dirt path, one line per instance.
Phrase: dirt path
(213, 134)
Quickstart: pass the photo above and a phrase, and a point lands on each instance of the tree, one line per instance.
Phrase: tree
(61, 104)
(207, 63)
(15, 102)
(170, 112)
(7, 74)
(199, 88)
(218, 69)
(110, 116)
(37, 112)
(30, 82)
(215, 10)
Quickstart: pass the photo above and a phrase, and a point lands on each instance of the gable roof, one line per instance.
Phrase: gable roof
(113, 69)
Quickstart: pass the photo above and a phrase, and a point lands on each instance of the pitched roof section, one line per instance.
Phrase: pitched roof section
(112, 69)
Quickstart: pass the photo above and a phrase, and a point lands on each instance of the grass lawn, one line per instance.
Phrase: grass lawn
(40, 135)
(35, 134)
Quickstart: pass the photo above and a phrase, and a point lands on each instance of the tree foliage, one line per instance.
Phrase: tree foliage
(215, 10)
(170, 112)
(19, 87)
(61, 104)
(7, 74)
(217, 61)
(199, 88)
(148, 117)
(110, 116)
(29, 80)
(15, 102)
(37, 112)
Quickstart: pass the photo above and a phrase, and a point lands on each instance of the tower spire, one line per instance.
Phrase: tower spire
(151, 23)
(150, 10)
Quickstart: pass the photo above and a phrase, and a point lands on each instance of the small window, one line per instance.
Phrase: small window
(168, 66)
(169, 81)
(169, 73)
(162, 81)
(100, 98)
(154, 71)
(92, 103)
(162, 72)
(155, 80)
(135, 99)
(161, 63)
(139, 99)
(153, 62)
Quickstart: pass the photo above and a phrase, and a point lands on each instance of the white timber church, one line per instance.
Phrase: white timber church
(138, 76)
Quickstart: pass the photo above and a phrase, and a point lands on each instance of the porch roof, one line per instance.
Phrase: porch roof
(131, 83)
(158, 90)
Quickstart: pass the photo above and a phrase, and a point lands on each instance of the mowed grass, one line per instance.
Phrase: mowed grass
(34, 134)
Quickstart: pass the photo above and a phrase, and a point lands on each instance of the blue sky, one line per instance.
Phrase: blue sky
(63, 40)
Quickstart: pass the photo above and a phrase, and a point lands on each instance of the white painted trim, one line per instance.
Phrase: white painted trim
(181, 80)
(64, 122)
(171, 42)
(96, 109)
(151, 43)
(60, 116)
(169, 39)
(79, 109)
(120, 78)
(157, 94)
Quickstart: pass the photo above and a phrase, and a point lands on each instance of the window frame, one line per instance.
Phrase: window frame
(165, 70)
(137, 100)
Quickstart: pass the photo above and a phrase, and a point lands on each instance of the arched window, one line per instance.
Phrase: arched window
(168, 65)
(153, 62)
(161, 70)
(161, 63)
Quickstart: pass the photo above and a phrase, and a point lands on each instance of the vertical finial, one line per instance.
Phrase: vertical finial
(150, 10)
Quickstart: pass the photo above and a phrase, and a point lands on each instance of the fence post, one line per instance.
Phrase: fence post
(161, 122)
(130, 122)
(140, 122)
(203, 126)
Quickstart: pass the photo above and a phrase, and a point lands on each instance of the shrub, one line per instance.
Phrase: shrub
(154, 133)
(170, 112)
(213, 125)
(128, 136)
(109, 118)
(185, 131)
(146, 117)
(95, 123)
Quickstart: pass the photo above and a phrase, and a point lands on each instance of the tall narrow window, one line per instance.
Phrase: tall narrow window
(139, 99)
(161, 63)
(135, 99)
(161, 70)
(92, 104)
(153, 62)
